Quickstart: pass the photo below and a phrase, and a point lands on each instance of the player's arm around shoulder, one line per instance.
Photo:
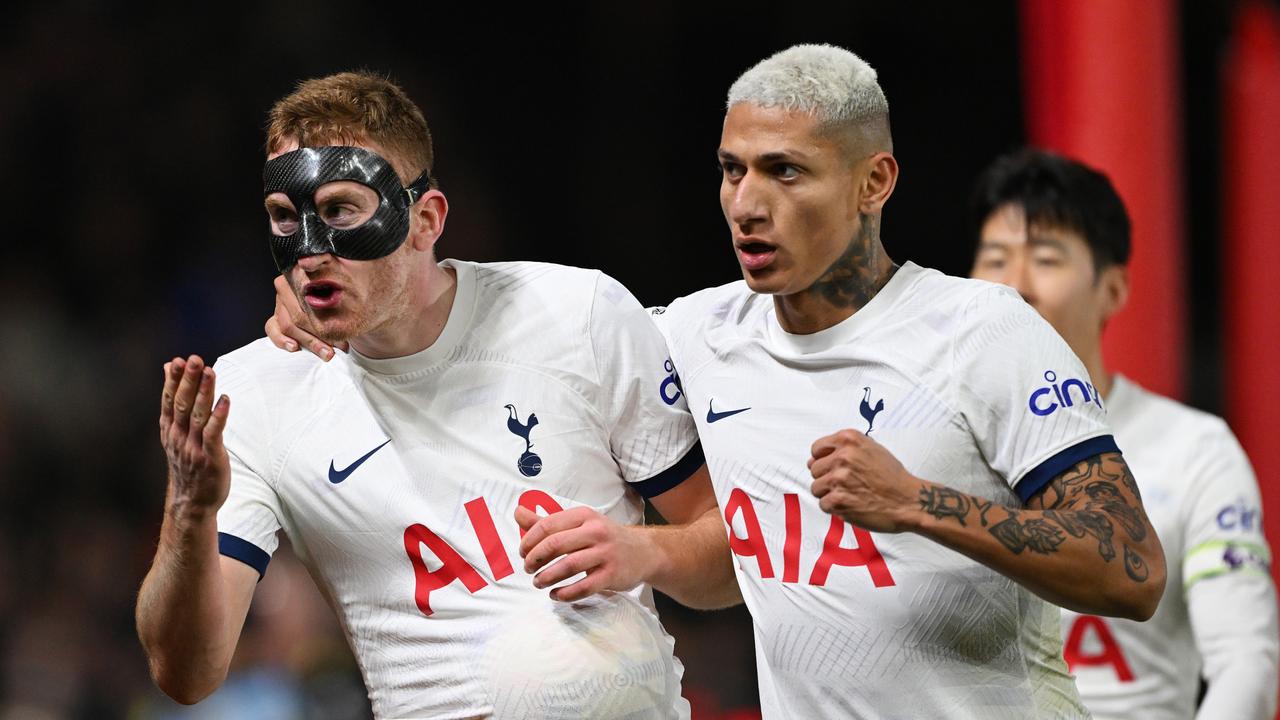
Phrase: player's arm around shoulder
(654, 441)
(193, 602)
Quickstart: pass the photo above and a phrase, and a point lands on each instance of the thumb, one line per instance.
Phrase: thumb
(525, 517)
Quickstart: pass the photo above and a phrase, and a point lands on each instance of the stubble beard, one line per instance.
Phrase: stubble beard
(360, 312)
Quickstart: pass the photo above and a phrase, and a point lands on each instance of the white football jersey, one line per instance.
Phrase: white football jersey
(397, 481)
(967, 386)
(1218, 612)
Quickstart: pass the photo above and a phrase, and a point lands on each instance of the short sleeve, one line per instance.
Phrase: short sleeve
(1026, 397)
(249, 520)
(651, 433)
(1223, 510)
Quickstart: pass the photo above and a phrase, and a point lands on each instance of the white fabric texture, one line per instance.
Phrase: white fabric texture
(545, 389)
(941, 371)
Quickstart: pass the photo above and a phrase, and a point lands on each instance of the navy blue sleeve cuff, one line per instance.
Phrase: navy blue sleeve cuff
(1040, 475)
(673, 475)
(244, 551)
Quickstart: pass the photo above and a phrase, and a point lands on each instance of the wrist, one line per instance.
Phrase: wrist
(912, 517)
(187, 515)
(654, 554)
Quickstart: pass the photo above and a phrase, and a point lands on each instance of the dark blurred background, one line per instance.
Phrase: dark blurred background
(131, 146)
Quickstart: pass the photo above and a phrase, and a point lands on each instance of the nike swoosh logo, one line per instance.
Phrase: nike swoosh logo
(713, 416)
(337, 476)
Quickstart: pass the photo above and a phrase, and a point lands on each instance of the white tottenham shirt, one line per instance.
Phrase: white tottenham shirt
(397, 481)
(1218, 612)
(967, 386)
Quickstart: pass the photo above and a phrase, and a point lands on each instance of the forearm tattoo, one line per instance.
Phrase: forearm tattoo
(1086, 500)
(1036, 535)
(942, 502)
(1087, 522)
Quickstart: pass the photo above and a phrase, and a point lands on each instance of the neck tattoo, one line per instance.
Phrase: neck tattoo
(856, 276)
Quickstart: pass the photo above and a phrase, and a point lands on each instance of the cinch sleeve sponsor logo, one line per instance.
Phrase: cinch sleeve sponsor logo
(1046, 400)
(1238, 516)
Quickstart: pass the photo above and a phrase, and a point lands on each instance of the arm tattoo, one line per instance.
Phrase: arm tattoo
(942, 502)
(1090, 486)
(1134, 565)
(1036, 535)
(1087, 522)
(983, 507)
(1105, 497)
(1131, 483)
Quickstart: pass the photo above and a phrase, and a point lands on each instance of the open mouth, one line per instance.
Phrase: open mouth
(755, 254)
(322, 293)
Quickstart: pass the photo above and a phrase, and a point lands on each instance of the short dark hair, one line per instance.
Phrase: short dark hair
(1055, 191)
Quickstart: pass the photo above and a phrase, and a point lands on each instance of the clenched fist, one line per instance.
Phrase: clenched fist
(856, 479)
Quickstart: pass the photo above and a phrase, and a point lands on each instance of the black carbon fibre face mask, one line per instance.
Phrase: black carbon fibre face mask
(300, 173)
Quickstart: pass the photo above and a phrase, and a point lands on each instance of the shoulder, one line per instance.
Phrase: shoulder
(532, 277)
(953, 305)
(727, 303)
(263, 374)
(1183, 425)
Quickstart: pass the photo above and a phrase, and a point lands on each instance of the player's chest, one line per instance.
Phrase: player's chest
(392, 455)
(763, 410)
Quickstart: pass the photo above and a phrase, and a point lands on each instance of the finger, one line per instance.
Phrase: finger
(526, 519)
(834, 503)
(549, 525)
(290, 315)
(203, 404)
(595, 582)
(213, 430)
(565, 542)
(589, 561)
(277, 336)
(823, 446)
(830, 461)
(186, 393)
(821, 486)
(172, 373)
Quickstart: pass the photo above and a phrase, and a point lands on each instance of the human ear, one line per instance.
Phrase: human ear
(879, 182)
(426, 220)
(1113, 291)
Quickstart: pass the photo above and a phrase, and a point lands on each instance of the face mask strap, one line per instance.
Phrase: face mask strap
(418, 188)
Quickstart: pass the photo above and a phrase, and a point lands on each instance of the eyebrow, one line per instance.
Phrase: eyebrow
(993, 244)
(769, 157)
(1037, 240)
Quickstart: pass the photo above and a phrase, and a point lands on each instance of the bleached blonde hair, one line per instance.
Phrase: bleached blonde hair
(832, 84)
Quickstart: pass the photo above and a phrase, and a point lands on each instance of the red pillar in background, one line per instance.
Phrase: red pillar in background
(1100, 86)
(1251, 223)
